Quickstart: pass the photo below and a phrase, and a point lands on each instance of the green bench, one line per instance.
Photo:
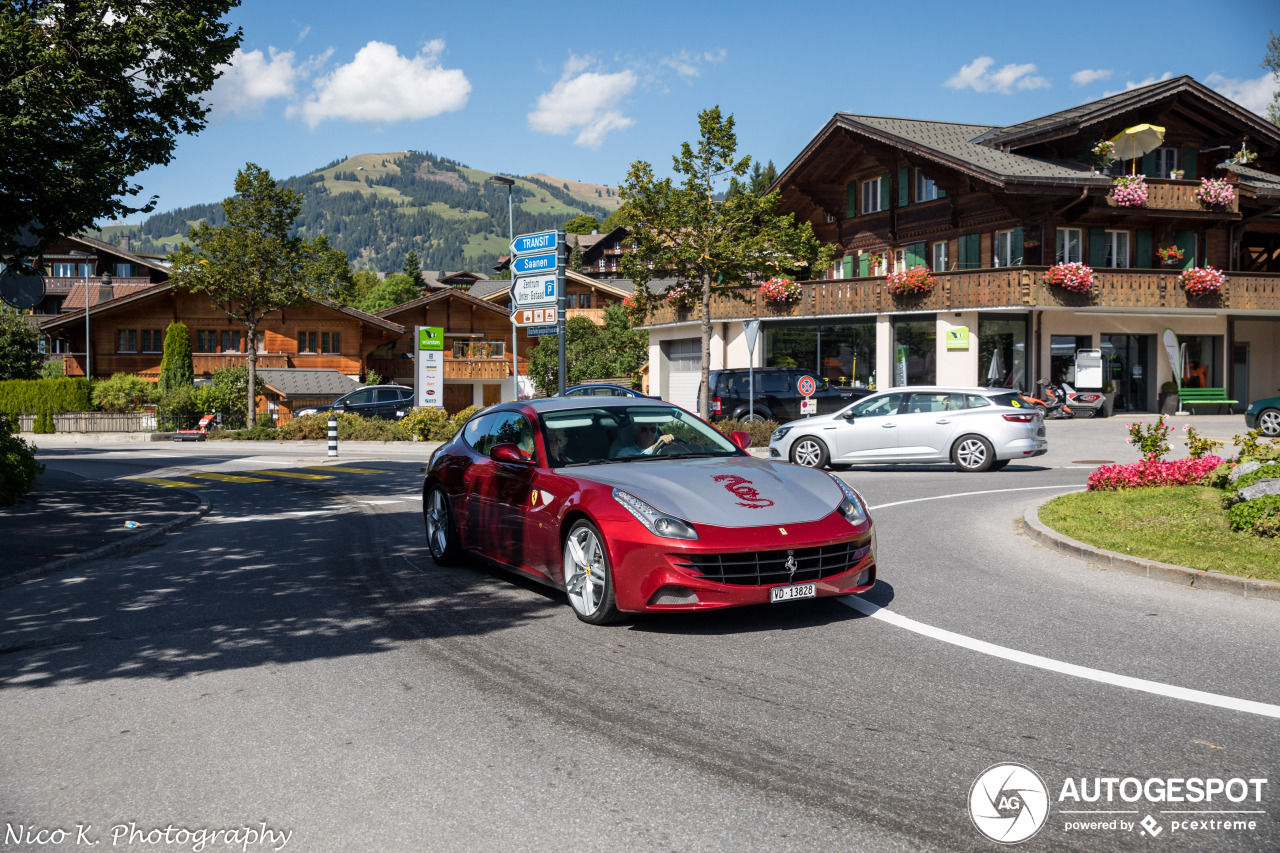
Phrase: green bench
(1204, 396)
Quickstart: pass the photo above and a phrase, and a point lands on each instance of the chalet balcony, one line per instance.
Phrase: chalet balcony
(976, 290)
(454, 368)
(63, 284)
(1176, 196)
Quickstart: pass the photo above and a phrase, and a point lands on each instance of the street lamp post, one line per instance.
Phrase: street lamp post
(515, 368)
(84, 268)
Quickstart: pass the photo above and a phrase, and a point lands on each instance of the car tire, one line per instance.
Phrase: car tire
(1269, 422)
(442, 530)
(753, 416)
(973, 453)
(588, 577)
(809, 452)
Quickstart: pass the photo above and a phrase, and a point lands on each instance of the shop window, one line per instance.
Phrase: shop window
(1002, 351)
(847, 354)
(915, 353)
(1062, 356)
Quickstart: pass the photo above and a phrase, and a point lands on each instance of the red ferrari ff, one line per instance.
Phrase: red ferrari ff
(633, 505)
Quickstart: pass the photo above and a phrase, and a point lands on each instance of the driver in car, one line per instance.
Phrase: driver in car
(646, 441)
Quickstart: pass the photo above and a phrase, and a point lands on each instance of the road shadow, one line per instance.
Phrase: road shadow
(791, 616)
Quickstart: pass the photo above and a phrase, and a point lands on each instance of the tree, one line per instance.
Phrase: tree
(251, 266)
(575, 256)
(92, 93)
(590, 352)
(396, 290)
(682, 232)
(177, 369)
(761, 179)
(413, 269)
(19, 347)
(583, 223)
(1271, 62)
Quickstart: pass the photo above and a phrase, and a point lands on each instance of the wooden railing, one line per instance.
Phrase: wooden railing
(1177, 195)
(595, 315)
(1010, 287)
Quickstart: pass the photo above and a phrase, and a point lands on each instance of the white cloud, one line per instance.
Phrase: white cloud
(584, 101)
(690, 64)
(250, 80)
(381, 86)
(303, 33)
(1256, 94)
(1090, 75)
(977, 75)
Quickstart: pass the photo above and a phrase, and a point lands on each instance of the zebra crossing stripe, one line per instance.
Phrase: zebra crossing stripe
(160, 481)
(297, 475)
(228, 478)
(345, 470)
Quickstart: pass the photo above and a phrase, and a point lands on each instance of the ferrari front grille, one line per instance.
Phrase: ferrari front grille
(765, 568)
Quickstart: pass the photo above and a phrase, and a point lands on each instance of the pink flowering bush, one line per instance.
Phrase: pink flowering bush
(1215, 192)
(1074, 276)
(1129, 191)
(780, 290)
(1199, 281)
(913, 282)
(1152, 472)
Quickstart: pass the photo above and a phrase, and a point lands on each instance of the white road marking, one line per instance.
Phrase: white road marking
(237, 519)
(968, 494)
(1186, 694)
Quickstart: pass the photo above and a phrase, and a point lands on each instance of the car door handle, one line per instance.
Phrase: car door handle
(887, 426)
(944, 420)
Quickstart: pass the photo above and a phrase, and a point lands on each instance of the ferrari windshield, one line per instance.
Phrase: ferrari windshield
(628, 433)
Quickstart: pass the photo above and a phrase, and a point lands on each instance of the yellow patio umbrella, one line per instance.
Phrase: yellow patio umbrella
(1132, 142)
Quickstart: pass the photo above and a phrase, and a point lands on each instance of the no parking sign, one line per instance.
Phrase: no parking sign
(806, 386)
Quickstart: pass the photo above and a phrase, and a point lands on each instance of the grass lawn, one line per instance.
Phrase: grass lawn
(1182, 525)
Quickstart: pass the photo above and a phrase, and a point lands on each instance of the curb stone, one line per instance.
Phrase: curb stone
(1165, 572)
(110, 548)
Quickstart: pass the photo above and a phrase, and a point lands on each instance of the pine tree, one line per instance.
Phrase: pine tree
(177, 369)
(575, 256)
(413, 268)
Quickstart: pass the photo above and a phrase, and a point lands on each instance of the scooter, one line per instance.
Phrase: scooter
(1085, 404)
(1052, 404)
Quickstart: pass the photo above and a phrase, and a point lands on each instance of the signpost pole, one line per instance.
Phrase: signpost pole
(751, 328)
(560, 300)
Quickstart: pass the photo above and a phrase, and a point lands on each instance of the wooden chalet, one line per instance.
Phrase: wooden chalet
(987, 210)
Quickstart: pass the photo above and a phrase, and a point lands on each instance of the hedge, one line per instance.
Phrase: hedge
(38, 396)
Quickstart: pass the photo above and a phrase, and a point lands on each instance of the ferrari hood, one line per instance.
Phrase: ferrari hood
(726, 492)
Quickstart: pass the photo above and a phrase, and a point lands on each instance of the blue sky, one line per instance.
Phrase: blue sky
(579, 92)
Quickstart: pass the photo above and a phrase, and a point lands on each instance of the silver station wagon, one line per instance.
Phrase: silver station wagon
(978, 429)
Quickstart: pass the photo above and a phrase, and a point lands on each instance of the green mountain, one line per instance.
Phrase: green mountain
(379, 207)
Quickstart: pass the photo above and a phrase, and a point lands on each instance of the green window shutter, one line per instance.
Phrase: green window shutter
(884, 191)
(904, 181)
(851, 200)
(1186, 241)
(1015, 248)
(1143, 255)
(1149, 164)
(916, 255)
(1189, 155)
(864, 264)
(1097, 247)
(846, 267)
(969, 245)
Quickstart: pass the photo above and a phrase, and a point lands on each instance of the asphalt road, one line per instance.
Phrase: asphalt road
(296, 660)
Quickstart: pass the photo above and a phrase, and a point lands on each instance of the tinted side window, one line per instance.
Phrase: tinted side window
(775, 383)
(475, 433)
(1008, 398)
(510, 428)
(878, 406)
(975, 401)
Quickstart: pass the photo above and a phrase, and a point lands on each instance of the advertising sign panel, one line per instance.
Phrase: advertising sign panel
(429, 372)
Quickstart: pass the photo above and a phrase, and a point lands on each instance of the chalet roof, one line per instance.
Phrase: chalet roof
(497, 288)
(301, 382)
(446, 293)
(440, 278)
(489, 287)
(103, 247)
(1266, 183)
(75, 297)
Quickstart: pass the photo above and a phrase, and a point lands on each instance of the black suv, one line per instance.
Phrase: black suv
(371, 401)
(776, 396)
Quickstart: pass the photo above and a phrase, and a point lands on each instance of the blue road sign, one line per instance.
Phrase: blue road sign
(544, 241)
(540, 331)
(526, 264)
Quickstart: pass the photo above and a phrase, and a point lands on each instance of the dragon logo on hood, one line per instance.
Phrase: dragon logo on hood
(746, 493)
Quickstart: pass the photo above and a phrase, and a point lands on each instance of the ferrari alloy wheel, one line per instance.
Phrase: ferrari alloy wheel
(587, 577)
(973, 453)
(442, 533)
(809, 452)
(1269, 422)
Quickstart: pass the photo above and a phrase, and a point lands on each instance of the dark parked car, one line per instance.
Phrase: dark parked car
(777, 396)
(603, 389)
(1264, 416)
(371, 401)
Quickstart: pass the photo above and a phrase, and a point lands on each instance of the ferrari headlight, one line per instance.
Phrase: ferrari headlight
(779, 433)
(657, 523)
(852, 507)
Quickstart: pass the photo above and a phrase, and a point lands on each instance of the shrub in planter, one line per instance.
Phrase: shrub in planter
(1260, 516)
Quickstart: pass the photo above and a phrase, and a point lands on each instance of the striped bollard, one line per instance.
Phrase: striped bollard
(333, 434)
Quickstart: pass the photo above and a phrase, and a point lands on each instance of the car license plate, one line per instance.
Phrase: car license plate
(790, 593)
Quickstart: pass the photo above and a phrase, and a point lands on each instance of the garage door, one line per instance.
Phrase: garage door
(684, 370)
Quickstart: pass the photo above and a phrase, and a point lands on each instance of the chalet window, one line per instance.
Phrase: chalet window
(1165, 161)
(497, 349)
(940, 256)
(230, 342)
(1070, 248)
(899, 260)
(602, 265)
(261, 338)
(206, 341)
(152, 340)
(127, 340)
(1117, 249)
(926, 189)
(584, 300)
(871, 201)
(124, 271)
(307, 342)
(1004, 250)
(64, 270)
(330, 343)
